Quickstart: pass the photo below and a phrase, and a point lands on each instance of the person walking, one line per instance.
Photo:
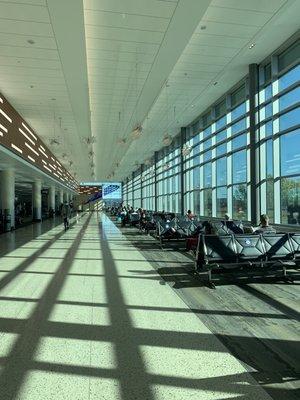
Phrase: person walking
(66, 213)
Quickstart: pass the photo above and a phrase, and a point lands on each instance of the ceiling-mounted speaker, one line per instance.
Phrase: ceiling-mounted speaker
(136, 132)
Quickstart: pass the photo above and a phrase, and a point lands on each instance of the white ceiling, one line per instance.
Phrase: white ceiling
(106, 62)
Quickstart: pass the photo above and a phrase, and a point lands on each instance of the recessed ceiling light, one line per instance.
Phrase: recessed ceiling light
(251, 46)
(203, 27)
(193, 105)
(30, 41)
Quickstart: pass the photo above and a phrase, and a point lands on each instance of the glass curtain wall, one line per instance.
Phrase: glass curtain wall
(216, 177)
(216, 156)
(148, 185)
(168, 178)
(278, 135)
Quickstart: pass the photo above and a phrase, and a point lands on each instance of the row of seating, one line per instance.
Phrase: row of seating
(247, 254)
(226, 253)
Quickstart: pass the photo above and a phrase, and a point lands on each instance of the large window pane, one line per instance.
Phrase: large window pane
(269, 159)
(289, 99)
(239, 202)
(240, 141)
(207, 175)
(207, 156)
(290, 55)
(239, 167)
(221, 149)
(221, 201)
(196, 178)
(221, 136)
(289, 119)
(207, 131)
(290, 200)
(238, 95)
(290, 153)
(289, 78)
(238, 111)
(220, 109)
(239, 126)
(220, 123)
(207, 196)
(221, 171)
(207, 144)
(270, 199)
(196, 202)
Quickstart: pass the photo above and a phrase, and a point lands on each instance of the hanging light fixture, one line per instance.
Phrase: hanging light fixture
(167, 140)
(186, 150)
(121, 141)
(137, 132)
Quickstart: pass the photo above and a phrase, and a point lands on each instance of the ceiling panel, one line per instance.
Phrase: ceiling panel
(253, 5)
(24, 12)
(126, 21)
(155, 8)
(26, 28)
(219, 52)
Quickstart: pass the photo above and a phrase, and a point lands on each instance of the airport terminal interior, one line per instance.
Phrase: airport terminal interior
(149, 199)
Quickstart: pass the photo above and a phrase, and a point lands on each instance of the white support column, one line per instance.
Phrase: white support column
(37, 200)
(61, 197)
(64, 196)
(7, 191)
(51, 198)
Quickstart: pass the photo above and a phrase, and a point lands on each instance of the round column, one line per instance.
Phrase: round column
(61, 196)
(51, 198)
(7, 194)
(37, 200)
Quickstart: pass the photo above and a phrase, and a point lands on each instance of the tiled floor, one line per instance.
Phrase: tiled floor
(77, 321)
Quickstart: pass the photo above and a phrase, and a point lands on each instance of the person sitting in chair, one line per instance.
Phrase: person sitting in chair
(190, 215)
(231, 225)
(264, 226)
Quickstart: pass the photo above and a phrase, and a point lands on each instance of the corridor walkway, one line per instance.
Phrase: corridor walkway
(78, 322)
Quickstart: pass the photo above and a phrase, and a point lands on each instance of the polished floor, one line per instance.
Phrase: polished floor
(86, 315)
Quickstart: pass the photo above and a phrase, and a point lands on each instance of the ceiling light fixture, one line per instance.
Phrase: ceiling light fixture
(215, 83)
(30, 41)
(251, 46)
(203, 27)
